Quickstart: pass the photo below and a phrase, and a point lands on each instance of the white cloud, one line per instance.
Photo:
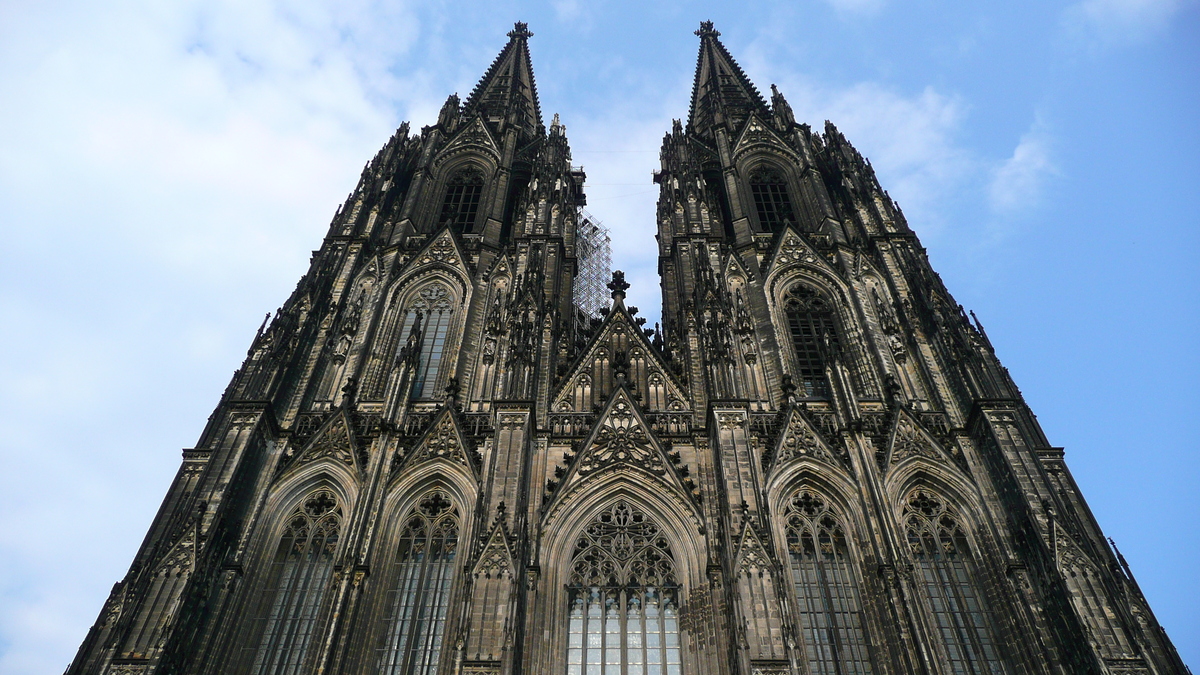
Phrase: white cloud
(1121, 21)
(164, 171)
(856, 6)
(910, 139)
(566, 10)
(1018, 182)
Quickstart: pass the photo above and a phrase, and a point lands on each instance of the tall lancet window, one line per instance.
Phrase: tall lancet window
(946, 573)
(810, 322)
(835, 639)
(768, 186)
(421, 577)
(461, 204)
(623, 599)
(298, 576)
(432, 308)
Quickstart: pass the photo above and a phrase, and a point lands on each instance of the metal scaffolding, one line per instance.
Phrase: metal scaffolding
(594, 248)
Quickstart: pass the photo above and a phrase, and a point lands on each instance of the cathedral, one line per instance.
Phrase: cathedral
(443, 455)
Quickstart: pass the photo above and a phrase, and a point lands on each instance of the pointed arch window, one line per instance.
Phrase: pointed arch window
(810, 323)
(460, 206)
(422, 575)
(768, 186)
(297, 579)
(946, 573)
(428, 316)
(835, 637)
(623, 600)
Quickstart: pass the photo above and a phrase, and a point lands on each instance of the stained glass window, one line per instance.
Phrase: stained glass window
(624, 600)
(421, 576)
(810, 323)
(768, 186)
(297, 579)
(945, 571)
(835, 639)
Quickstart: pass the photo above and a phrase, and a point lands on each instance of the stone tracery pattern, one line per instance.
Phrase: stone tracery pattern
(623, 604)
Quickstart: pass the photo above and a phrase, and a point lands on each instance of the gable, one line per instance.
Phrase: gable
(757, 134)
(619, 343)
(799, 439)
(473, 136)
(620, 441)
(332, 442)
(909, 438)
(792, 248)
(443, 440)
(752, 553)
(442, 250)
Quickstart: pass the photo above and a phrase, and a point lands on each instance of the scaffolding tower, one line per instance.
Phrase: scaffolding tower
(594, 249)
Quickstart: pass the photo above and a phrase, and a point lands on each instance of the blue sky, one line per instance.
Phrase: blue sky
(165, 169)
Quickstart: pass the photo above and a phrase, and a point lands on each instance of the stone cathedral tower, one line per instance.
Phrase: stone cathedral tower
(432, 462)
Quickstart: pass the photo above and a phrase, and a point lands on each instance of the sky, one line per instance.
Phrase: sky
(166, 169)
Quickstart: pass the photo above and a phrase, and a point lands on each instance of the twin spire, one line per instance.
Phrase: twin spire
(721, 92)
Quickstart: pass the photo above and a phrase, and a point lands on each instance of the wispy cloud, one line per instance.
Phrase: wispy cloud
(856, 6)
(1120, 21)
(910, 138)
(1017, 184)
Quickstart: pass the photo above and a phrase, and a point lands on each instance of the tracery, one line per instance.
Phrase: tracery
(297, 579)
(422, 575)
(946, 572)
(835, 639)
(623, 598)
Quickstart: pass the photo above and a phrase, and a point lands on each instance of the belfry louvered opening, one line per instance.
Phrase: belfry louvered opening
(772, 203)
(814, 339)
(460, 206)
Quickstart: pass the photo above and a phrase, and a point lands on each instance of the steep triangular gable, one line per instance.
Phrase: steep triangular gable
(910, 439)
(1069, 554)
(798, 438)
(617, 323)
(182, 554)
(475, 135)
(752, 552)
(443, 440)
(791, 247)
(735, 267)
(622, 440)
(333, 441)
(757, 134)
(441, 249)
(496, 559)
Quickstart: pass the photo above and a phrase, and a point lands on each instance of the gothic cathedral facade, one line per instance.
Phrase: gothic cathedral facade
(432, 462)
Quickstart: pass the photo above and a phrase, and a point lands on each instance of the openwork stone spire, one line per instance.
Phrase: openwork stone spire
(507, 92)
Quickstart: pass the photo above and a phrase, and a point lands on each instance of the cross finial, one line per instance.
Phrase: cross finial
(520, 30)
(706, 28)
